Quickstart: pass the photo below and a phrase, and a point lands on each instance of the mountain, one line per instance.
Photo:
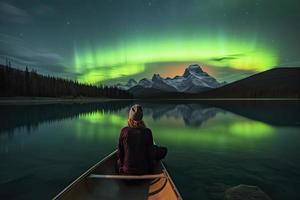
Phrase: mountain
(273, 83)
(128, 85)
(193, 80)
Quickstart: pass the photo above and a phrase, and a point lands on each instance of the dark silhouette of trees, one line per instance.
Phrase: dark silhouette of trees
(15, 82)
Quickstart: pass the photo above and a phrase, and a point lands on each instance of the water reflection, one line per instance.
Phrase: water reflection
(28, 117)
(251, 129)
(100, 125)
(192, 114)
(210, 144)
(183, 124)
(273, 112)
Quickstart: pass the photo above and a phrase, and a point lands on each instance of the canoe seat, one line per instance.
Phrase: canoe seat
(128, 177)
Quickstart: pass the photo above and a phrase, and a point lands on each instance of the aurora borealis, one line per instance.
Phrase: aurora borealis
(132, 58)
(113, 40)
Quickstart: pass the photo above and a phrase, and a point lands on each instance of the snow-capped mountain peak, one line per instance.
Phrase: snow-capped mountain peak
(146, 83)
(193, 69)
(193, 80)
(131, 83)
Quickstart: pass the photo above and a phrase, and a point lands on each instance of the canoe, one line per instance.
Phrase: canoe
(102, 182)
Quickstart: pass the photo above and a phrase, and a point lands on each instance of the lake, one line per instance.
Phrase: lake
(213, 145)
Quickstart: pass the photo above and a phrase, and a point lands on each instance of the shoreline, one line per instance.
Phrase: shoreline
(50, 100)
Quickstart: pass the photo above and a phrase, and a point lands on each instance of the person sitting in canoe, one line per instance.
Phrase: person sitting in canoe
(136, 152)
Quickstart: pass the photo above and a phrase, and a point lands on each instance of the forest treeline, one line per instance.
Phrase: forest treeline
(15, 82)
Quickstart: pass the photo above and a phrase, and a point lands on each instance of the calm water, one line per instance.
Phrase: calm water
(212, 145)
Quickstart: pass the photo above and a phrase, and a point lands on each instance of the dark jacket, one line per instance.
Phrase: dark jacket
(135, 151)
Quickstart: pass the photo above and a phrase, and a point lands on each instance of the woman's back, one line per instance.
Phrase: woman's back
(135, 150)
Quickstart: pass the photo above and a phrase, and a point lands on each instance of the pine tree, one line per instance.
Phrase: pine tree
(14, 82)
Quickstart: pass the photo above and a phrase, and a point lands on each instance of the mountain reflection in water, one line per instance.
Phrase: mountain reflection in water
(212, 145)
(193, 113)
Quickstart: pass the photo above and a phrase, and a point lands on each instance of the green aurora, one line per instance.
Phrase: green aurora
(111, 41)
(98, 63)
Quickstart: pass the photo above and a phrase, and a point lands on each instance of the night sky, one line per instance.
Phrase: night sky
(110, 41)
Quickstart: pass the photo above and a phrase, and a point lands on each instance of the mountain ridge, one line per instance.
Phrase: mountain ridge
(280, 82)
(261, 85)
(193, 80)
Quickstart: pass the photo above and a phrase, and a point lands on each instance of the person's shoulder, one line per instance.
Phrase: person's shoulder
(124, 130)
